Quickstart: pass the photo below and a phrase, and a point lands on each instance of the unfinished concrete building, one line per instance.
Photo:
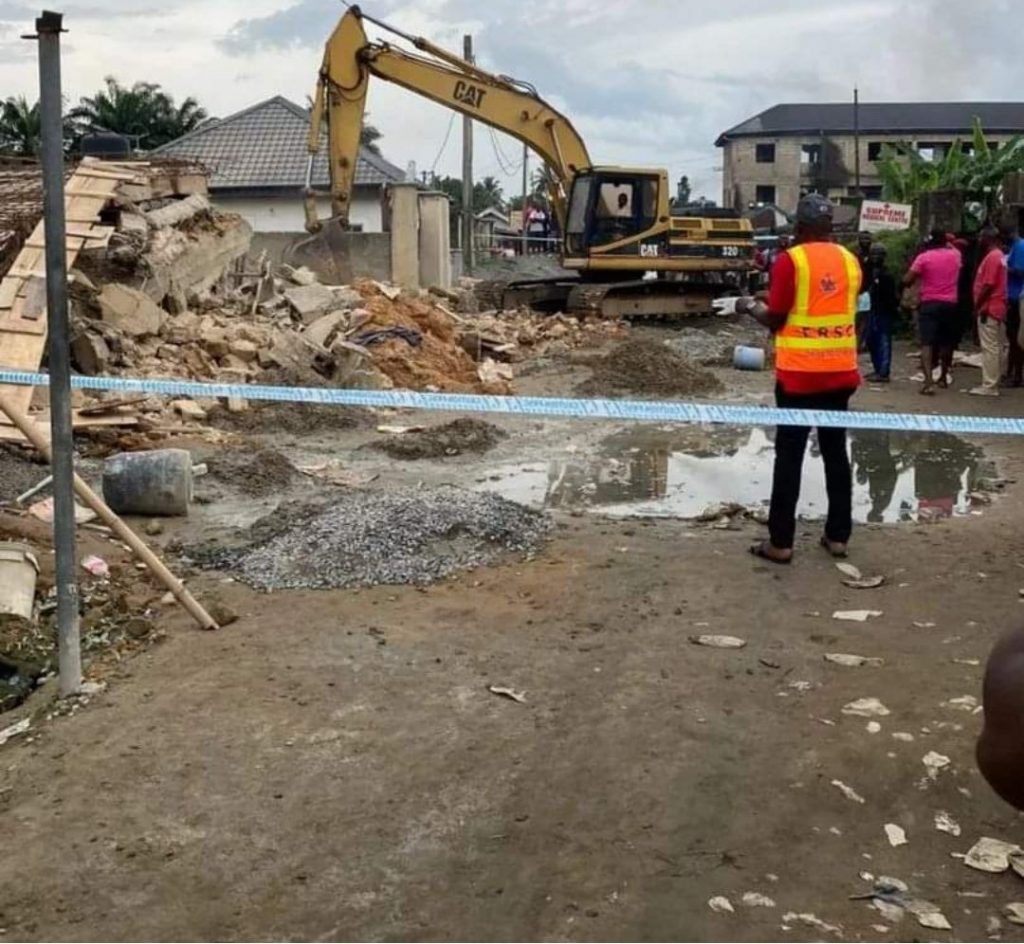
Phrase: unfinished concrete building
(777, 156)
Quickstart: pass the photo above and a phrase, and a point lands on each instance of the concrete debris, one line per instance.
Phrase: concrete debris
(1014, 912)
(365, 538)
(934, 762)
(461, 436)
(188, 409)
(991, 855)
(718, 642)
(945, 823)
(510, 693)
(866, 708)
(811, 921)
(178, 211)
(309, 302)
(855, 616)
(12, 730)
(130, 311)
(91, 353)
(851, 661)
(896, 835)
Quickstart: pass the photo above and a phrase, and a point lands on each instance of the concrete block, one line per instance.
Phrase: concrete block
(90, 353)
(130, 310)
(188, 409)
(309, 302)
(300, 275)
(245, 351)
(320, 331)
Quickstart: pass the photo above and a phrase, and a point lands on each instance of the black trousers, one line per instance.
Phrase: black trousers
(790, 445)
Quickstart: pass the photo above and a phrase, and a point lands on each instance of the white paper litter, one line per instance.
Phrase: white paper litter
(855, 616)
(757, 900)
(934, 762)
(721, 905)
(719, 642)
(896, 835)
(945, 823)
(847, 791)
(991, 855)
(849, 660)
(866, 708)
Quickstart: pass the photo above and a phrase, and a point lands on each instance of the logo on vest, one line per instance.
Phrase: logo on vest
(828, 284)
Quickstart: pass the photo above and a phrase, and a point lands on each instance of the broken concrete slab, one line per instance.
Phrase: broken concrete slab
(177, 212)
(188, 409)
(321, 330)
(346, 297)
(130, 310)
(90, 353)
(245, 351)
(300, 275)
(309, 302)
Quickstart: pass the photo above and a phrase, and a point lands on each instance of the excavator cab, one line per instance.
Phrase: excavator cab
(613, 210)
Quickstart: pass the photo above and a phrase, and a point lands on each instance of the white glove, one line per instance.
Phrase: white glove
(725, 307)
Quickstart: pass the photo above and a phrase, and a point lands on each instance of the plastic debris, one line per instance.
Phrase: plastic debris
(991, 855)
(888, 910)
(504, 692)
(945, 823)
(721, 905)
(873, 727)
(849, 570)
(867, 583)
(96, 566)
(902, 736)
(855, 616)
(896, 835)
(757, 900)
(812, 921)
(849, 660)
(923, 625)
(719, 642)
(934, 762)
(928, 914)
(12, 730)
(866, 708)
(848, 792)
(889, 894)
(963, 703)
(1014, 912)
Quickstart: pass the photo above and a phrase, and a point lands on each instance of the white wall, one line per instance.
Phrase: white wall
(287, 215)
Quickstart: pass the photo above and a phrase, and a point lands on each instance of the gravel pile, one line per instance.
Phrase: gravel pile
(364, 538)
(646, 368)
(451, 439)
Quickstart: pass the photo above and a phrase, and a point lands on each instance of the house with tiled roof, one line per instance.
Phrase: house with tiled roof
(257, 160)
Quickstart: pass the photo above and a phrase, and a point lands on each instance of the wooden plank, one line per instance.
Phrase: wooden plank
(9, 289)
(8, 433)
(104, 174)
(73, 243)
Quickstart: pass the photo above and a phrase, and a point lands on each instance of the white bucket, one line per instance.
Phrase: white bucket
(18, 572)
(748, 358)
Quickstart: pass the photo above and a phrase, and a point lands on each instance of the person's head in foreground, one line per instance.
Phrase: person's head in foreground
(1000, 749)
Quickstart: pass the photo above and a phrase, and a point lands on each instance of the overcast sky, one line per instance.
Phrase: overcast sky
(646, 81)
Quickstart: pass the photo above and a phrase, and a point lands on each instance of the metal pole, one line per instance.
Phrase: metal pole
(526, 179)
(856, 140)
(467, 175)
(69, 656)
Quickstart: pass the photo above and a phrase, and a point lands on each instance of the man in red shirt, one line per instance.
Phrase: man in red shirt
(990, 310)
(812, 309)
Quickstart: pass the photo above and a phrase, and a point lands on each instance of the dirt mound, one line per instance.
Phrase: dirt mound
(18, 473)
(452, 439)
(253, 471)
(644, 368)
(291, 418)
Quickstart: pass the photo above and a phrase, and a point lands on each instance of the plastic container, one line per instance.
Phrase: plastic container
(149, 483)
(18, 572)
(748, 358)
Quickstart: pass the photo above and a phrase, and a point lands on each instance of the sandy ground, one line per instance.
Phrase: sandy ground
(334, 766)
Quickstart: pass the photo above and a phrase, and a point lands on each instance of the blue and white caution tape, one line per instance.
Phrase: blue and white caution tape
(649, 411)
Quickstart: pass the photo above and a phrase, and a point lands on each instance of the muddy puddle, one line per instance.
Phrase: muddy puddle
(680, 473)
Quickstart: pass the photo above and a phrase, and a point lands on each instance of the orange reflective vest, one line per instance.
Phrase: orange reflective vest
(820, 334)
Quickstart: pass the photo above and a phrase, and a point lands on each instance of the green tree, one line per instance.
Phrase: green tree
(369, 137)
(19, 127)
(973, 167)
(542, 185)
(142, 112)
(487, 193)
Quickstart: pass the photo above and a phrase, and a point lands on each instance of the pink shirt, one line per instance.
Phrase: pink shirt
(939, 270)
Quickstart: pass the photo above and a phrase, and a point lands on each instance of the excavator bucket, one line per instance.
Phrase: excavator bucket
(327, 252)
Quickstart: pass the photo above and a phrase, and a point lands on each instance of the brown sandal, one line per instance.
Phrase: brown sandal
(763, 550)
(833, 547)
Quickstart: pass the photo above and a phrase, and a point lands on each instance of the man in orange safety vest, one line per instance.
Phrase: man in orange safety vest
(812, 309)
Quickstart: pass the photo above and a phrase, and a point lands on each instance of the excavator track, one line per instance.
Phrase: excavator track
(646, 299)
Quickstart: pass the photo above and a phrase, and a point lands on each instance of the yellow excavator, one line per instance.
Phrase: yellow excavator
(629, 257)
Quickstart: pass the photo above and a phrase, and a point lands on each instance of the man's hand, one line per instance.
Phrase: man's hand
(726, 307)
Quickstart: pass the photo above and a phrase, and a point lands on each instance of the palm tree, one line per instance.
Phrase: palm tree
(19, 126)
(369, 137)
(142, 111)
(488, 193)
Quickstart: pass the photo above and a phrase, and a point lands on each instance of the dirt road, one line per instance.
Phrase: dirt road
(334, 766)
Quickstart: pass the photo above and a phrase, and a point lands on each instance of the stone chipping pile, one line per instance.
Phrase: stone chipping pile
(413, 536)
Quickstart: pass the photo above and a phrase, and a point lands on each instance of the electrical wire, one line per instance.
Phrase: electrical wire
(508, 167)
(444, 144)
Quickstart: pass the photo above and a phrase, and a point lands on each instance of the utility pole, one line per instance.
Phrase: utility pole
(467, 174)
(856, 141)
(69, 656)
(526, 182)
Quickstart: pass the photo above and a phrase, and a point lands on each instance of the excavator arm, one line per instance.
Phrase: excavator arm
(350, 59)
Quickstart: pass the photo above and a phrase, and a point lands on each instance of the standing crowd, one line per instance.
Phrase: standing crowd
(939, 280)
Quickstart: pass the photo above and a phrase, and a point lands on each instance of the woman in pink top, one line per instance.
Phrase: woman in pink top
(938, 271)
